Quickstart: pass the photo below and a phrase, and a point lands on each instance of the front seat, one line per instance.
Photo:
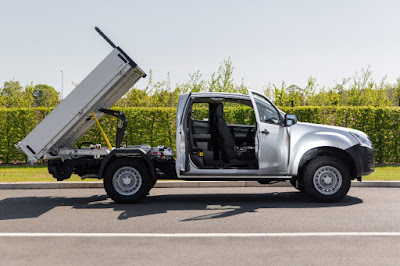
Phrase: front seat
(226, 140)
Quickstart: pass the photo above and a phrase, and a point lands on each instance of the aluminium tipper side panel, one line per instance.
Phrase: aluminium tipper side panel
(71, 119)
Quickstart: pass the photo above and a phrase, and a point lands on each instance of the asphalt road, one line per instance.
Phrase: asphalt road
(199, 226)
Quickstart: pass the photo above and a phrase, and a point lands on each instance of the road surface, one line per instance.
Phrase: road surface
(197, 226)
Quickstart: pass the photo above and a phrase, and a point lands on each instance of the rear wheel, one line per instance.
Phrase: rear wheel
(326, 179)
(127, 180)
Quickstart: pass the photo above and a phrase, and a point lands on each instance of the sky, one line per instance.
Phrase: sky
(267, 41)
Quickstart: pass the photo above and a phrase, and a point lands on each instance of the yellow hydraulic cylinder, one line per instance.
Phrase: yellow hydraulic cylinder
(102, 131)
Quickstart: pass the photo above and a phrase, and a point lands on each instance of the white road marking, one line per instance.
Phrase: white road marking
(201, 235)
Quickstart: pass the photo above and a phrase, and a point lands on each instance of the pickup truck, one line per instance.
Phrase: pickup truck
(318, 160)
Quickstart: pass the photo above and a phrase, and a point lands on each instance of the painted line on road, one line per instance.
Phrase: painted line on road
(200, 235)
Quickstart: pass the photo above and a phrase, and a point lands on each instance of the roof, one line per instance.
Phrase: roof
(219, 95)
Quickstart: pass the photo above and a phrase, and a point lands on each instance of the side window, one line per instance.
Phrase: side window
(236, 113)
(266, 111)
(200, 111)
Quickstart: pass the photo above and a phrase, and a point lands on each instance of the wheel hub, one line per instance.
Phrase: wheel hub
(127, 181)
(327, 180)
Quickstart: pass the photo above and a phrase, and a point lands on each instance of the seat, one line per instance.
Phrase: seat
(200, 143)
(230, 154)
(225, 138)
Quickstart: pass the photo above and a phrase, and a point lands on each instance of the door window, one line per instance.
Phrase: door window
(266, 111)
(200, 111)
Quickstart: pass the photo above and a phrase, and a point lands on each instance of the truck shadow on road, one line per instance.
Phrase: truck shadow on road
(226, 205)
(216, 206)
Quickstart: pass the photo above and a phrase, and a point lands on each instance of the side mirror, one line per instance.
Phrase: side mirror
(290, 120)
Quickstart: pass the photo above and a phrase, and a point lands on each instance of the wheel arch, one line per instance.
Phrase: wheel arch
(133, 153)
(328, 151)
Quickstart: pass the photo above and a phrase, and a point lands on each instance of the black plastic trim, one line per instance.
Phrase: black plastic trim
(30, 149)
(364, 159)
(105, 37)
(131, 62)
(122, 58)
(265, 180)
(120, 129)
(136, 153)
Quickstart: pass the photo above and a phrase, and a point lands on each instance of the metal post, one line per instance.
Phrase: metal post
(62, 85)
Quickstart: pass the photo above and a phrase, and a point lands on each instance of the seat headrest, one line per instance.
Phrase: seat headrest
(219, 110)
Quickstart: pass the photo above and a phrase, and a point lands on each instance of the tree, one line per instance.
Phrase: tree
(394, 93)
(45, 96)
(28, 95)
(222, 81)
(11, 94)
(134, 98)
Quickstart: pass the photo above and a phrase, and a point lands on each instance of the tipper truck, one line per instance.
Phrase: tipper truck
(318, 160)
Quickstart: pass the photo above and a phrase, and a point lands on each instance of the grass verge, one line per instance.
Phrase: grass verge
(384, 173)
(39, 173)
(36, 173)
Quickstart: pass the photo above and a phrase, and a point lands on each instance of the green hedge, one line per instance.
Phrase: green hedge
(382, 125)
(156, 126)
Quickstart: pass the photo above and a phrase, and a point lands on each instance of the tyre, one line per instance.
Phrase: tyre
(326, 179)
(127, 180)
(152, 184)
(297, 184)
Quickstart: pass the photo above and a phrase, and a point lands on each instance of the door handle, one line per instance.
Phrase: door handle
(266, 132)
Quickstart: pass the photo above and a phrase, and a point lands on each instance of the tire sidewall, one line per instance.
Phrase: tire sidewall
(119, 163)
(317, 163)
(299, 187)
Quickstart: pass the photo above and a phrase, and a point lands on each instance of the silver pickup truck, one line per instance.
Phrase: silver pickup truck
(271, 146)
(317, 159)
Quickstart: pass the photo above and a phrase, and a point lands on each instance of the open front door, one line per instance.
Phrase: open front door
(272, 139)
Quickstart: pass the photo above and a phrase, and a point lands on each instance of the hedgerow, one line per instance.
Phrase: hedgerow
(156, 126)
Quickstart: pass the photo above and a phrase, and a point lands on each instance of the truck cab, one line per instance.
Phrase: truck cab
(270, 146)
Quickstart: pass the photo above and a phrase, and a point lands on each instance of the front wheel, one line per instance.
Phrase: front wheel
(127, 180)
(326, 179)
(297, 184)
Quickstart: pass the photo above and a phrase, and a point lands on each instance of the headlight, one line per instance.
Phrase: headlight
(362, 140)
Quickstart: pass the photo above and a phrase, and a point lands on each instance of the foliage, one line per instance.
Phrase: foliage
(44, 95)
(15, 124)
(161, 94)
(11, 94)
(360, 90)
(14, 95)
(156, 126)
(359, 102)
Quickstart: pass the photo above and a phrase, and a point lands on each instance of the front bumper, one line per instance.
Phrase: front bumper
(364, 159)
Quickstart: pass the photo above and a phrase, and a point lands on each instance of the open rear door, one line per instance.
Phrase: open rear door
(182, 155)
(271, 141)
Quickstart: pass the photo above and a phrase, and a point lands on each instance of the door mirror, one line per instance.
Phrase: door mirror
(290, 120)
